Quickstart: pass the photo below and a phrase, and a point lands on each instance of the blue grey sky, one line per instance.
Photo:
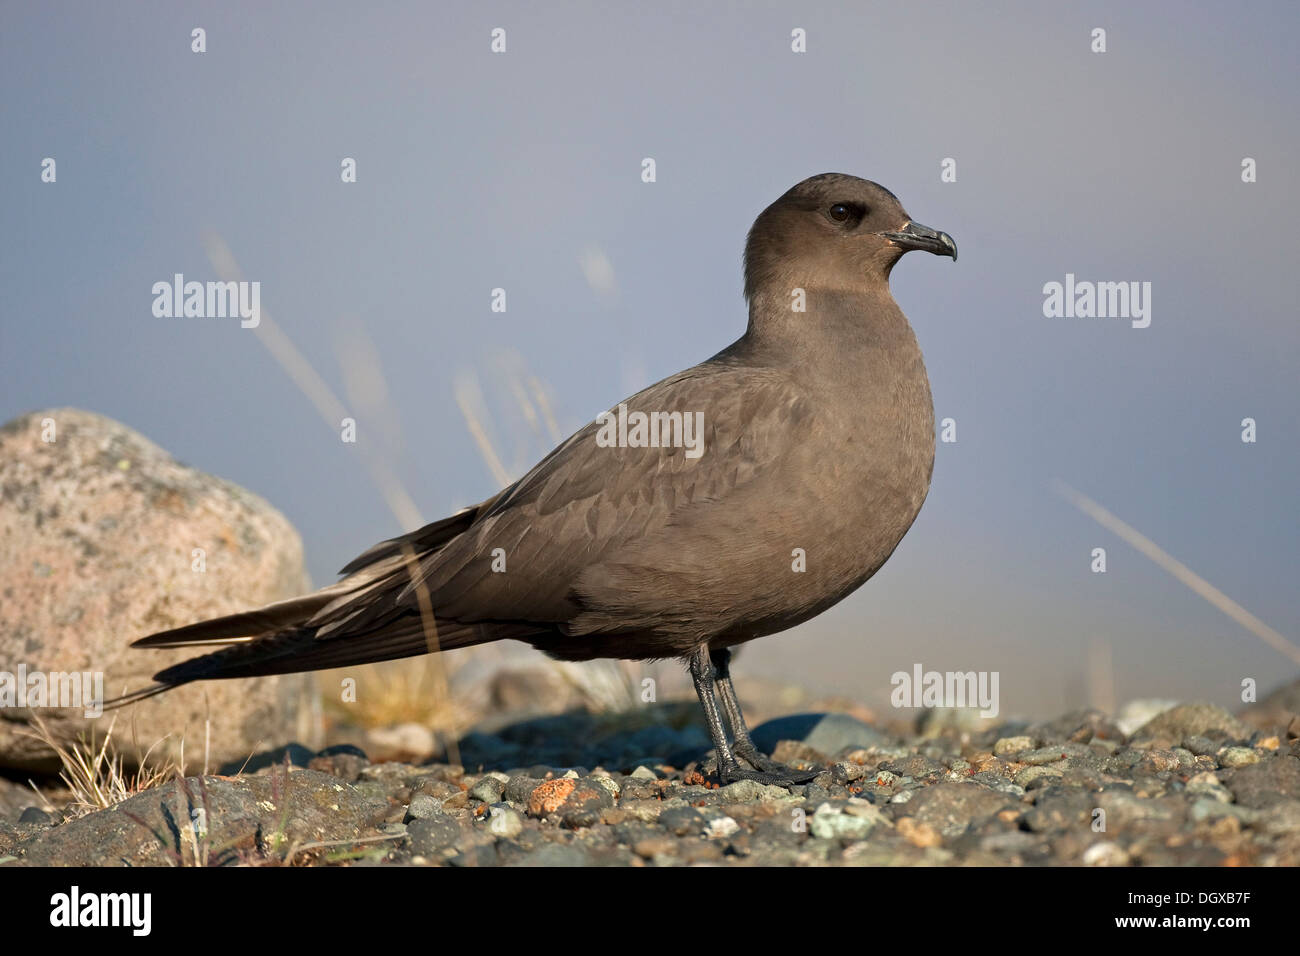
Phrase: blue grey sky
(479, 170)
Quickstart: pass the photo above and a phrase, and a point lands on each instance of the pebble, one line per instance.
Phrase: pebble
(423, 807)
(1012, 745)
(1018, 794)
(1238, 757)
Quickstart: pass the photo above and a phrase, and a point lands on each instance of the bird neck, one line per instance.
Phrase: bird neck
(836, 327)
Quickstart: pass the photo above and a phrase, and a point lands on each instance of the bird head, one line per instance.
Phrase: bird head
(834, 232)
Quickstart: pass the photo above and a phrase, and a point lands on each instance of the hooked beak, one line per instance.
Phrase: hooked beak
(916, 236)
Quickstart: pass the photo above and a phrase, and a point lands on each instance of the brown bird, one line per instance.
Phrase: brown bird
(812, 458)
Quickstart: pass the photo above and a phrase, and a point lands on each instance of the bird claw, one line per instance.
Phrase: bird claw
(772, 774)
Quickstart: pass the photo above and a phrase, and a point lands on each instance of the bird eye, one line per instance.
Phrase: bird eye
(839, 212)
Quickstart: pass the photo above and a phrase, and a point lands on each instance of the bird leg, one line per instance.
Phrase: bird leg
(703, 664)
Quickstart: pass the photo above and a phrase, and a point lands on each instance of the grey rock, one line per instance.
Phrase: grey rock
(1079, 726)
(1189, 720)
(1006, 746)
(423, 807)
(1106, 853)
(554, 854)
(520, 787)
(294, 754)
(37, 816)
(826, 733)
(846, 772)
(1268, 782)
(488, 790)
(682, 821)
(1206, 784)
(245, 817)
(97, 530)
(1137, 713)
(913, 765)
(503, 822)
(1060, 810)
(1033, 777)
(426, 836)
(1237, 757)
(831, 822)
(951, 807)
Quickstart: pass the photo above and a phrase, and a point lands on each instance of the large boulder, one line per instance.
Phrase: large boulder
(104, 538)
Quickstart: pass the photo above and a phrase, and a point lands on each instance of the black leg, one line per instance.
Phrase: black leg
(702, 675)
(703, 665)
(743, 746)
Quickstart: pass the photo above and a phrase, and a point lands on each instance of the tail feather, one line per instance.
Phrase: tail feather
(300, 649)
(428, 538)
(247, 625)
(358, 620)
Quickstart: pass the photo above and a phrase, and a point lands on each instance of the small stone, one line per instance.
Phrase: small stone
(1053, 754)
(37, 816)
(1267, 782)
(682, 821)
(846, 772)
(918, 834)
(1159, 761)
(825, 733)
(913, 765)
(1105, 853)
(584, 806)
(427, 835)
(1206, 809)
(1189, 720)
(742, 791)
(644, 773)
(1238, 757)
(519, 788)
(1138, 713)
(985, 761)
(409, 741)
(548, 796)
(1206, 784)
(720, 827)
(1012, 745)
(488, 790)
(652, 847)
(504, 822)
(831, 822)
(1282, 818)
(1032, 777)
(422, 807)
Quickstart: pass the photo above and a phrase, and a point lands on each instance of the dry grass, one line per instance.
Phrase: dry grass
(398, 692)
(95, 773)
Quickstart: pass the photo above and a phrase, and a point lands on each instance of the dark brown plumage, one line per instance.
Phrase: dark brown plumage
(818, 435)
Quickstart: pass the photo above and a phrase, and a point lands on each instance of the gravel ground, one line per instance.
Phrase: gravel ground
(1192, 786)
